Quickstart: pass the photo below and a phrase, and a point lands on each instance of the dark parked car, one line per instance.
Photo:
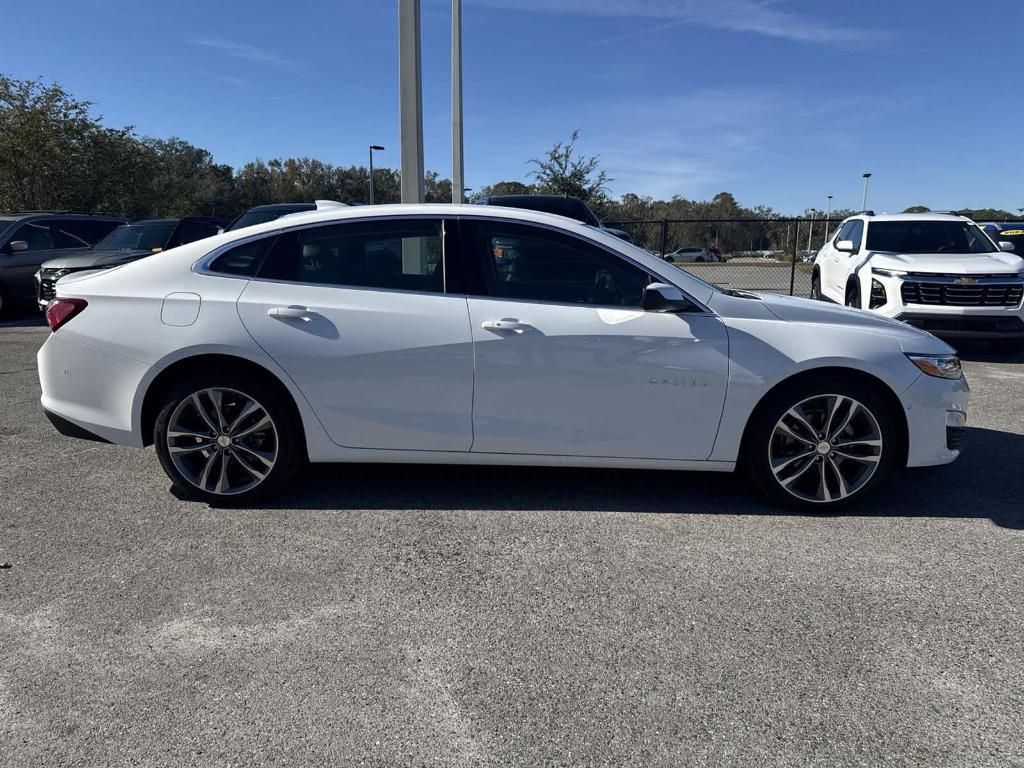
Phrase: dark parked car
(29, 239)
(571, 207)
(262, 213)
(129, 242)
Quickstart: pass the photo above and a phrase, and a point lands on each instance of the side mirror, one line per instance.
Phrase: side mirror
(1006, 245)
(846, 246)
(660, 297)
(17, 246)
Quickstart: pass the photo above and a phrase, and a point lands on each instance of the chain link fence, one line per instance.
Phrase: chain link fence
(770, 255)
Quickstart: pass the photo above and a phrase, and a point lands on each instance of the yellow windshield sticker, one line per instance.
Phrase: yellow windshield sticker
(1011, 232)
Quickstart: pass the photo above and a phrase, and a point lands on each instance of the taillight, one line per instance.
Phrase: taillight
(59, 311)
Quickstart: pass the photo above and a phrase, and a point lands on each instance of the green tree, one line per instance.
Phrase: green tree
(504, 188)
(563, 171)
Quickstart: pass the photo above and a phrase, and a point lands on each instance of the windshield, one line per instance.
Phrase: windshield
(138, 237)
(927, 237)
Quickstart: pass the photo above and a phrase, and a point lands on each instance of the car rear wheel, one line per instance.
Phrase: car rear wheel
(821, 443)
(226, 439)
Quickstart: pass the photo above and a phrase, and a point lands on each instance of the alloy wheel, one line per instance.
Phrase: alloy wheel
(825, 448)
(222, 441)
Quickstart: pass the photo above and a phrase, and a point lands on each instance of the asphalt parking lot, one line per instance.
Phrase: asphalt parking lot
(496, 617)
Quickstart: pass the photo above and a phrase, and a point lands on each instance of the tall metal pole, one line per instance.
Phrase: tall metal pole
(458, 179)
(864, 200)
(810, 232)
(371, 175)
(828, 216)
(410, 100)
(379, 148)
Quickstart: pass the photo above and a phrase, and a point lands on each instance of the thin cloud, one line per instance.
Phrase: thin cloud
(244, 52)
(748, 16)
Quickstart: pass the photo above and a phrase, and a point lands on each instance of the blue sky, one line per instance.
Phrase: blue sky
(781, 102)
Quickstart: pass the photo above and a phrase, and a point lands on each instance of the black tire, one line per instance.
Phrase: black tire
(853, 296)
(761, 441)
(816, 287)
(241, 456)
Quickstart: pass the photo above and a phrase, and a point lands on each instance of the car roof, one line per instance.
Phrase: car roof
(23, 215)
(204, 219)
(282, 207)
(929, 216)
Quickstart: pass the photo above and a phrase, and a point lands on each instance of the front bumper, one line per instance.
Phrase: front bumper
(989, 307)
(936, 412)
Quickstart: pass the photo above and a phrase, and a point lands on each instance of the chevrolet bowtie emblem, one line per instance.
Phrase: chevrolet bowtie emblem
(966, 281)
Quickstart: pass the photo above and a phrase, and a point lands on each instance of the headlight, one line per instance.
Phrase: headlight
(942, 366)
(888, 272)
(878, 297)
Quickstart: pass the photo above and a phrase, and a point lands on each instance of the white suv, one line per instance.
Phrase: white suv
(939, 272)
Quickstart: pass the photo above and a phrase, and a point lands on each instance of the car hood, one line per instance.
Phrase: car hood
(95, 259)
(998, 263)
(793, 309)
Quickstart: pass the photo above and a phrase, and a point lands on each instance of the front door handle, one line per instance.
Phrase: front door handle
(506, 325)
(293, 313)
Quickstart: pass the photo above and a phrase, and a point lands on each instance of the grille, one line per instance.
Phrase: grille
(955, 437)
(47, 289)
(47, 282)
(951, 294)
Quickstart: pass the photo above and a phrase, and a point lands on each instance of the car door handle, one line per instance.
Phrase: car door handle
(507, 324)
(293, 313)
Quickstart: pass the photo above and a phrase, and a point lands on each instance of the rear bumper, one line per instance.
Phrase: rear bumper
(70, 429)
(88, 389)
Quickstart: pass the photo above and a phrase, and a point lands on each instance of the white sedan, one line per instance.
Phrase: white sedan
(469, 335)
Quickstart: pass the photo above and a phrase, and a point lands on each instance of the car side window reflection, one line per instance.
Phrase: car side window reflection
(401, 255)
(532, 263)
(37, 235)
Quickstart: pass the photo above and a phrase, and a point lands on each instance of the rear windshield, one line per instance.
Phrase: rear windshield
(927, 237)
(251, 218)
(138, 237)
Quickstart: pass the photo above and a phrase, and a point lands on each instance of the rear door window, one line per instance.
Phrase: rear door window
(403, 254)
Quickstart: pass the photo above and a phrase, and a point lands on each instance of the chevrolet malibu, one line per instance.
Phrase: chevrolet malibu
(470, 335)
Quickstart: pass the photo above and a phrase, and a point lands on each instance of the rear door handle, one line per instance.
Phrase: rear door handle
(507, 325)
(293, 313)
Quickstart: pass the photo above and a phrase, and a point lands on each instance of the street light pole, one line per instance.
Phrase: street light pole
(828, 216)
(810, 231)
(864, 200)
(458, 179)
(379, 148)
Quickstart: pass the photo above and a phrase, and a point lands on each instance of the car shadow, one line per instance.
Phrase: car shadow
(979, 351)
(976, 486)
(22, 318)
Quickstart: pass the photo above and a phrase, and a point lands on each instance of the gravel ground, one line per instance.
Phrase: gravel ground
(485, 616)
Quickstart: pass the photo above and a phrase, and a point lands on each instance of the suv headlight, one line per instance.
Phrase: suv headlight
(940, 366)
(888, 272)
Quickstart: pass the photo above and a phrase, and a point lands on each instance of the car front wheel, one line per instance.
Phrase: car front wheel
(226, 439)
(821, 443)
(853, 296)
(816, 287)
